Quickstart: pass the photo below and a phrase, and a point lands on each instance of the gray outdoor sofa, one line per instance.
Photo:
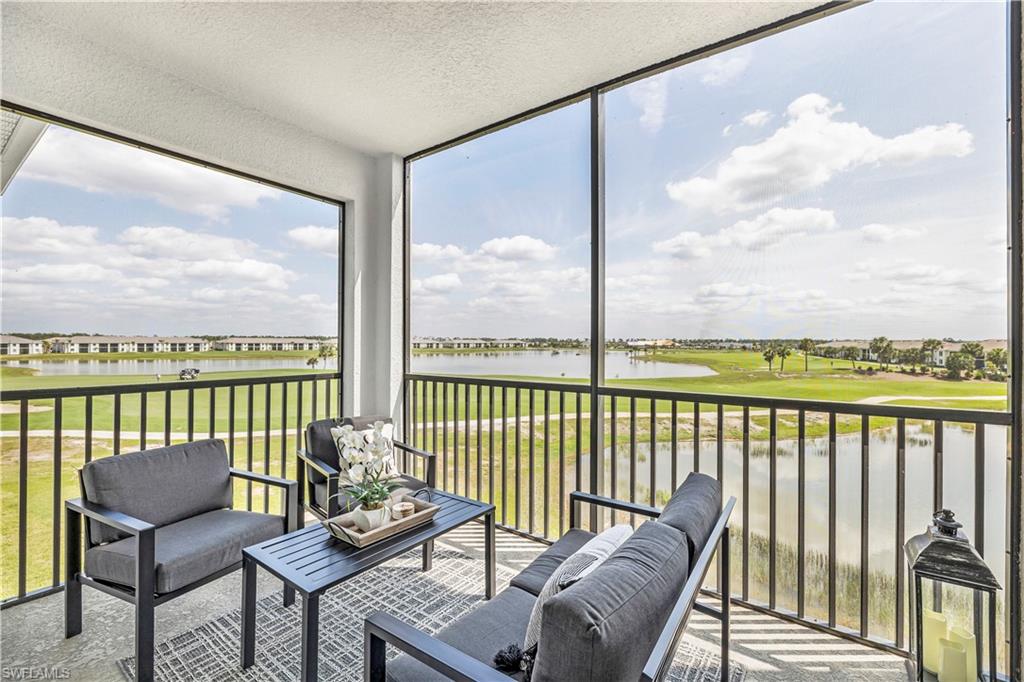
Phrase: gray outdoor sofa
(622, 622)
(159, 523)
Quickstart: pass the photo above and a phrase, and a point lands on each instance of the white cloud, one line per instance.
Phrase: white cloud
(179, 244)
(685, 246)
(726, 68)
(651, 96)
(725, 290)
(877, 232)
(431, 252)
(437, 284)
(266, 275)
(726, 130)
(518, 248)
(776, 225)
(756, 119)
(93, 164)
(768, 229)
(806, 153)
(316, 238)
(61, 272)
(43, 235)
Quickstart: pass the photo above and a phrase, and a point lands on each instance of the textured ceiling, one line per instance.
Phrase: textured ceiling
(399, 77)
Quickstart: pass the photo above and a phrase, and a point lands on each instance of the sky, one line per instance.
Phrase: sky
(842, 179)
(100, 237)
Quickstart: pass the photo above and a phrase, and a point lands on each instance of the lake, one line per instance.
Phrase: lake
(546, 363)
(165, 367)
(618, 365)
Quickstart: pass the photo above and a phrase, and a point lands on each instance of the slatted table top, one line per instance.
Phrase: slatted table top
(312, 560)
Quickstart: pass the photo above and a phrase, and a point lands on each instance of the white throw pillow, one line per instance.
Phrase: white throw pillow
(576, 567)
(353, 451)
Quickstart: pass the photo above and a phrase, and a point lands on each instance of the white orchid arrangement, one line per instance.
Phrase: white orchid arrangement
(370, 464)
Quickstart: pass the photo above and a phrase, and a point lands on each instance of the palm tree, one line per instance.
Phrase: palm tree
(783, 351)
(806, 345)
(881, 348)
(769, 352)
(313, 361)
(997, 357)
(974, 349)
(326, 352)
(851, 353)
(929, 347)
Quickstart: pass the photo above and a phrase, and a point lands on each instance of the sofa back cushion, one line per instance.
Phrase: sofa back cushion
(694, 508)
(603, 628)
(320, 442)
(159, 486)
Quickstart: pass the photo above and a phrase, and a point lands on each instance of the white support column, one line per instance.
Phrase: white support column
(372, 349)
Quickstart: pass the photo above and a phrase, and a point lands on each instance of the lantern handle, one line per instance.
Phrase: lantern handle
(946, 522)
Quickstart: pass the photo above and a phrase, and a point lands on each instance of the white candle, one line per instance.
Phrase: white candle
(952, 661)
(933, 630)
(965, 638)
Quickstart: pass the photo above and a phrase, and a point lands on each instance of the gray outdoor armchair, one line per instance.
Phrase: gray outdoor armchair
(159, 523)
(317, 466)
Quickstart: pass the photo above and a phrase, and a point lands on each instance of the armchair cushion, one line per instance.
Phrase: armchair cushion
(533, 577)
(160, 486)
(694, 508)
(320, 491)
(480, 634)
(186, 551)
(603, 628)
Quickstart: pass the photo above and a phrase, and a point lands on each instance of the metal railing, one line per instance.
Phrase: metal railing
(50, 433)
(823, 486)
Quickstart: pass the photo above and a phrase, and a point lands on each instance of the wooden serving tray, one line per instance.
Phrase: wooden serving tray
(345, 529)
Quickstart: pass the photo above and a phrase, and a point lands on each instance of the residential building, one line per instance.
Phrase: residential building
(129, 344)
(266, 343)
(461, 343)
(17, 345)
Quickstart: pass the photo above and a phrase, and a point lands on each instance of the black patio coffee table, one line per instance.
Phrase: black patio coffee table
(312, 561)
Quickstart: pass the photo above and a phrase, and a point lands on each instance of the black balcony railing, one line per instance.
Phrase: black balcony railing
(828, 491)
(49, 433)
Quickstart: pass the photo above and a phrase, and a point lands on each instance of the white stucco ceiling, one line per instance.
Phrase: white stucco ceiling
(398, 77)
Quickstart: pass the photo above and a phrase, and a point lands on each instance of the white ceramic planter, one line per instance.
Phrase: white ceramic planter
(369, 519)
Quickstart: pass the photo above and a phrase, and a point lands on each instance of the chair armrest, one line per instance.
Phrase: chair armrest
(262, 478)
(429, 651)
(108, 517)
(414, 450)
(318, 464)
(661, 657)
(578, 497)
(430, 460)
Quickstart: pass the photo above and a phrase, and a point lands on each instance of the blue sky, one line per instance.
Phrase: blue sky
(845, 178)
(104, 238)
(841, 179)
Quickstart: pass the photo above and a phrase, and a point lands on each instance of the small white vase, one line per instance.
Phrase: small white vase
(369, 519)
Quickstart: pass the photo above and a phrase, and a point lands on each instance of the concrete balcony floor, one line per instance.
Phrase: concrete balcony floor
(31, 634)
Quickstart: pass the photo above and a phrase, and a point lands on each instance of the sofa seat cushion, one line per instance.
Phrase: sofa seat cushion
(159, 486)
(483, 632)
(533, 577)
(320, 492)
(694, 509)
(188, 550)
(604, 627)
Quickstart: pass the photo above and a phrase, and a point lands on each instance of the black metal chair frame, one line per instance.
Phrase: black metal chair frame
(382, 629)
(306, 500)
(143, 596)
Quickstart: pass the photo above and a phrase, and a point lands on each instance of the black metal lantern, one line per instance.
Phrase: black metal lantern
(944, 554)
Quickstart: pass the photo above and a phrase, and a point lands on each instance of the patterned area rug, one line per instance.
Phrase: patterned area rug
(453, 587)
